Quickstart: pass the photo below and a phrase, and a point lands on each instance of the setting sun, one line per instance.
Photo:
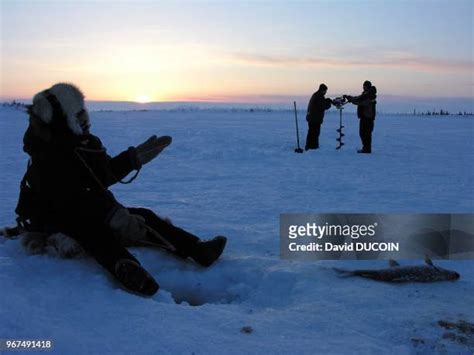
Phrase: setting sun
(142, 99)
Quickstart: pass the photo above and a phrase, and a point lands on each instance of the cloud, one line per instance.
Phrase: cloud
(247, 98)
(387, 59)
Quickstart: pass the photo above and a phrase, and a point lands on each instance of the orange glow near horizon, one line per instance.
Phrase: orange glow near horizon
(165, 73)
(142, 99)
(223, 52)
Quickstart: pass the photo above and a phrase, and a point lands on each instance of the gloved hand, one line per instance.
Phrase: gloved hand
(348, 97)
(149, 149)
(127, 226)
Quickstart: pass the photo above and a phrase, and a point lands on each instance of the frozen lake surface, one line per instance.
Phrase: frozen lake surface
(233, 173)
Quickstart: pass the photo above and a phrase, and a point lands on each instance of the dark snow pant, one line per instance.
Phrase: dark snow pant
(312, 139)
(100, 242)
(183, 241)
(366, 127)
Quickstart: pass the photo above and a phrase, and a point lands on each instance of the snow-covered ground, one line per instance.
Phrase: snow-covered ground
(233, 173)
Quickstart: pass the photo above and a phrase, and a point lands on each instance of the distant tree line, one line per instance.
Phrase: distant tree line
(441, 112)
(14, 104)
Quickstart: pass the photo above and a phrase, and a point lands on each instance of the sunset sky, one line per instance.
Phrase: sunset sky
(236, 50)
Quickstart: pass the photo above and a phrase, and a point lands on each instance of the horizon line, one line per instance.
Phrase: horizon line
(271, 99)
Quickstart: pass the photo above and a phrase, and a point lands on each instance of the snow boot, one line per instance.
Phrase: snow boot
(364, 151)
(206, 252)
(135, 278)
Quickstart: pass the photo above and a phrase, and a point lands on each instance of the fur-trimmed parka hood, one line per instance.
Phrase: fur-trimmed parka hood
(62, 99)
(58, 117)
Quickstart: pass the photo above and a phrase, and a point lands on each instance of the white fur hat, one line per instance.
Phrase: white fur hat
(71, 100)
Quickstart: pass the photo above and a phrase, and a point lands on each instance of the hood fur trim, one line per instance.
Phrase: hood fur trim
(69, 97)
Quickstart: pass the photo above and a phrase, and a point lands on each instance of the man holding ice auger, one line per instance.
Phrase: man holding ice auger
(318, 104)
(366, 110)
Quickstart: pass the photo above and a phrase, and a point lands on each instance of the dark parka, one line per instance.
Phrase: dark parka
(318, 104)
(67, 179)
(366, 103)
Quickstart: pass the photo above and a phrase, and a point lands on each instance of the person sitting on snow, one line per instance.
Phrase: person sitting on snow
(66, 190)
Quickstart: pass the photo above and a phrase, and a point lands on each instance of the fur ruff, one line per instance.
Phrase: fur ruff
(71, 100)
(57, 244)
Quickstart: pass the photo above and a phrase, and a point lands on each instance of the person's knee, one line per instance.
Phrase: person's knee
(144, 212)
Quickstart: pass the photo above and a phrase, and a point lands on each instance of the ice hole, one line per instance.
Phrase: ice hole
(197, 296)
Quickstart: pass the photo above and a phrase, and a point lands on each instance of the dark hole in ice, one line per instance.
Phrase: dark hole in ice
(200, 297)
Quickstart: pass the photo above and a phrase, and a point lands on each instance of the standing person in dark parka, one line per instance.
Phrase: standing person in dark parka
(366, 110)
(66, 190)
(318, 104)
